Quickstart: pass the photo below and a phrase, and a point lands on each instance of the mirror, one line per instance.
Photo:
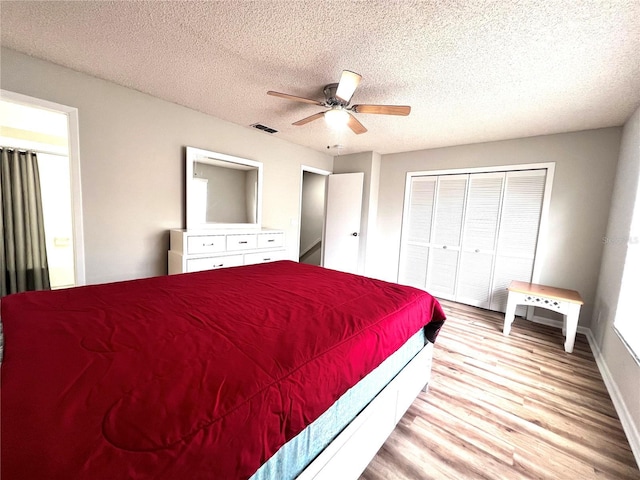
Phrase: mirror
(222, 191)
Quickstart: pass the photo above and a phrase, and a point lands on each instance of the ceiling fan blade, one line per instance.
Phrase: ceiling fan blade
(306, 120)
(294, 98)
(349, 81)
(383, 109)
(355, 125)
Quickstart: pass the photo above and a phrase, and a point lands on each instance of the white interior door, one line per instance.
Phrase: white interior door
(472, 233)
(446, 235)
(517, 233)
(418, 217)
(480, 233)
(341, 244)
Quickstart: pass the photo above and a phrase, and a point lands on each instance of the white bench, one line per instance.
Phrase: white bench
(567, 302)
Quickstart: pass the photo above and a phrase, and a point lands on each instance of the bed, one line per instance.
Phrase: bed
(225, 374)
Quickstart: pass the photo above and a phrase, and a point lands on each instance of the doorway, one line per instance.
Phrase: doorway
(51, 131)
(312, 215)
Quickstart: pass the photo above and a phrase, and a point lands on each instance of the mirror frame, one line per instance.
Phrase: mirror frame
(197, 154)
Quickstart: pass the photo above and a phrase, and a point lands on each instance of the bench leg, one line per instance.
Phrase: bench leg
(509, 314)
(571, 321)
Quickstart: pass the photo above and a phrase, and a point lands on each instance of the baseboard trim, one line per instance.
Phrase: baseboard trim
(313, 245)
(630, 429)
(556, 323)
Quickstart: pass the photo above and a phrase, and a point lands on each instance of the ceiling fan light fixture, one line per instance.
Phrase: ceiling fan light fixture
(337, 97)
(336, 117)
(349, 81)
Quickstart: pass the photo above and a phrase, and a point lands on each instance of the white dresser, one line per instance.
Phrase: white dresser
(196, 250)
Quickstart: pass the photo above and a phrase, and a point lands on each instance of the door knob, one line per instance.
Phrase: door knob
(355, 234)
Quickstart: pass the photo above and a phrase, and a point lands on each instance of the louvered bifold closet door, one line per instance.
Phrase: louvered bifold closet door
(444, 251)
(479, 238)
(417, 232)
(518, 232)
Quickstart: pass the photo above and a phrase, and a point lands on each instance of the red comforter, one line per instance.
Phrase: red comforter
(193, 376)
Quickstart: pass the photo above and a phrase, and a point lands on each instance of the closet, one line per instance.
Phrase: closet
(465, 236)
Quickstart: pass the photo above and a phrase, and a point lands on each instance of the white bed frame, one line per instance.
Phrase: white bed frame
(347, 456)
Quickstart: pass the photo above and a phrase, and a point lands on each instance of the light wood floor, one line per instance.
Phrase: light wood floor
(514, 407)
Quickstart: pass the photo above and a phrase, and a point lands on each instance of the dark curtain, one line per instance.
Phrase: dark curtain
(23, 255)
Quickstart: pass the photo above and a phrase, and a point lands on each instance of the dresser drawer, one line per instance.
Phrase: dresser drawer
(205, 244)
(211, 263)
(270, 240)
(264, 257)
(242, 242)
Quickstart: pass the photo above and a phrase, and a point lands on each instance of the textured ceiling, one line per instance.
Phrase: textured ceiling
(473, 71)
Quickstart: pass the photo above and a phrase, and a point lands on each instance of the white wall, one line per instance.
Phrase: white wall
(132, 165)
(584, 175)
(622, 369)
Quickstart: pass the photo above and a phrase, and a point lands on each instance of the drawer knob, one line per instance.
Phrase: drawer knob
(243, 241)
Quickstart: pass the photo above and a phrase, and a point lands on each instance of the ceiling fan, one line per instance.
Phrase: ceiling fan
(337, 98)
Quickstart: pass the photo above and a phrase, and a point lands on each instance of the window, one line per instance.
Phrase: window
(627, 321)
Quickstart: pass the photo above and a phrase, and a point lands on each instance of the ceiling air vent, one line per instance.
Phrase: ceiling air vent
(264, 128)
